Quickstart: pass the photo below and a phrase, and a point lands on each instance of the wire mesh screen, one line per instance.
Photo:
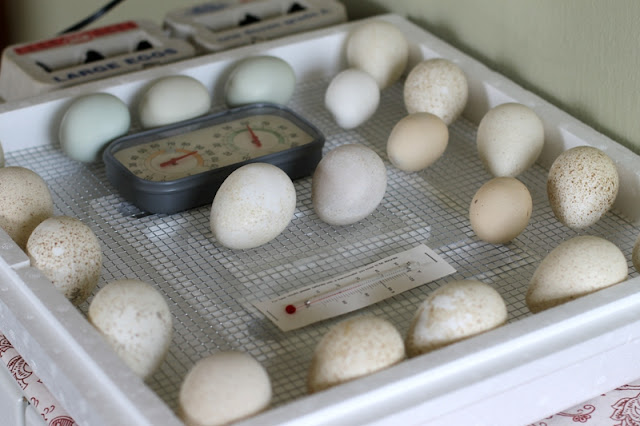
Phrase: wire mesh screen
(210, 289)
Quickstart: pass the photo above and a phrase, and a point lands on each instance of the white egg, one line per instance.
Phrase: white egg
(437, 86)
(135, 320)
(352, 98)
(500, 210)
(510, 139)
(254, 205)
(260, 79)
(348, 184)
(576, 267)
(25, 201)
(89, 123)
(354, 348)
(69, 254)
(173, 99)
(223, 388)
(582, 186)
(417, 141)
(453, 312)
(379, 49)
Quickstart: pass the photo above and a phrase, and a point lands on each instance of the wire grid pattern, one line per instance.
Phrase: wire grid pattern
(210, 289)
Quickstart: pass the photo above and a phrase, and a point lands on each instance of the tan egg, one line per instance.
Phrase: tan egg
(25, 201)
(576, 267)
(135, 320)
(453, 312)
(582, 186)
(223, 388)
(354, 348)
(437, 86)
(417, 141)
(635, 255)
(69, 254)
(510, 139)
(500, 210)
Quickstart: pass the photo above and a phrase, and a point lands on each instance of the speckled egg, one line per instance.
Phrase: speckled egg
(260, 79)
(354, 348)
(453, 312)
(582, 186)
(25, 201)
(500, 210)
(136, 321)
(172, 99)
(510, 139)
(379, 49)
(348, 184)
(576, 267)
(437, 86)
(223, 388)
(254, 205)
(69, 254)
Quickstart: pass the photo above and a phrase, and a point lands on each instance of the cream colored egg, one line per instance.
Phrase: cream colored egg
(135, 320)
(352, 97)
(500, 210)
(453, 312)
(172, 99)
(510, 139)
(437, 86)
(348, 184)
(379, 49)
(260, 79)
(582, 186)
(69, 254)
(354, 348)
(417, 141)
(223, 388)
(254, 205)
(576, 267)
(25, 201)
(635, 255)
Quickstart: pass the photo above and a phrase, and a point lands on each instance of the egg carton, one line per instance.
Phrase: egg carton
(533, 367)
(217, 26)
(33, 68)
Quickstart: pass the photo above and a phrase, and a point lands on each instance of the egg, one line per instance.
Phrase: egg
(69, 254)
(254, 205)
(455, 311)
(172, 99)
(437, 86)
(574, 268)
(1, 156)
(582, 186)
(354, 348)
(352, 97)
(260, 79)
(417, 141)
(25, 201)
(500, 210)
(89, 123)
(635, 254)
(223, 388)
(136, 322)
(348, 184)
(379, 49)
(510, 139)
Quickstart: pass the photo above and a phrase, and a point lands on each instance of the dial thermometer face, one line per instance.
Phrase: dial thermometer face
(192, 158)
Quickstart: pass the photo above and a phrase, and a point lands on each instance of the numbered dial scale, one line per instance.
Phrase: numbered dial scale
(181, 166)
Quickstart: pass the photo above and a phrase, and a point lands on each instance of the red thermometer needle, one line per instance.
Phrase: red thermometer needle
(174, 161)
(254, 137)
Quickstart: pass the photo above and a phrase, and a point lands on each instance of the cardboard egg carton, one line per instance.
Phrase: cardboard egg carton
(33, 68)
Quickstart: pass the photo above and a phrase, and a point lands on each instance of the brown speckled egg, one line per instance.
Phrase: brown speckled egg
(354, 348)
(455, 311)
(437, 86)
(576, 267)
(582, 186)
(69, 254)
(25, 201)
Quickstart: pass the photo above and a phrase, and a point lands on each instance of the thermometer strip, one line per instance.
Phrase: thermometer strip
(356, 289)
